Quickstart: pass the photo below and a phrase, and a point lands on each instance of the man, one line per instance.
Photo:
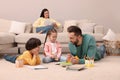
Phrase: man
(82, 46)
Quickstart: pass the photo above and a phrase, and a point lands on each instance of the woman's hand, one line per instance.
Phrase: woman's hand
(55, 25)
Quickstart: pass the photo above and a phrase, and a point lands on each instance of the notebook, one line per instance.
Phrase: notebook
(37, 67)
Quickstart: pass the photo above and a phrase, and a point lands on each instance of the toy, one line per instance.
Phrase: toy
(89, 62)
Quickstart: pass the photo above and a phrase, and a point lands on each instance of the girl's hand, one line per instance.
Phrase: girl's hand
(69, 57)
(35, 52)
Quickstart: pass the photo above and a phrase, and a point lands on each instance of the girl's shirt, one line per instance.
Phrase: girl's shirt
(48, 49)
(41, 22)
(28, 58)
(54, 50)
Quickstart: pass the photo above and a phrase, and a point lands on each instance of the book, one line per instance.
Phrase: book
(64, 64)
(37, 67)
(75, 67)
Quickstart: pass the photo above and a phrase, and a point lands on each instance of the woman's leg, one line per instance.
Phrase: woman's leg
(47, 28)
(102, 50)
(44, 29)
(39, 29)
(47, 60)
(10, 58)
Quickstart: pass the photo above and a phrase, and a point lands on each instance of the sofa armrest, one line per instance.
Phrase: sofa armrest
(34, 29)
(28, 28)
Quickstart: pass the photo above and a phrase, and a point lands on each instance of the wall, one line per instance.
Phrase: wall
(104, 12)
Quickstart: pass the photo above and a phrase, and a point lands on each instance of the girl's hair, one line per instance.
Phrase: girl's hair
(43, 11)
(49, 33)
(32, 43)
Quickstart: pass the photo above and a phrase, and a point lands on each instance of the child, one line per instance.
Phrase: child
(30, 56)
(52, 48)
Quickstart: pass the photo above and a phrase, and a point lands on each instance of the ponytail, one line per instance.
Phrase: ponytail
(48, 33)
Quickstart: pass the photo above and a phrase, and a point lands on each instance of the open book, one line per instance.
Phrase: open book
(37, 67)
(75, 67)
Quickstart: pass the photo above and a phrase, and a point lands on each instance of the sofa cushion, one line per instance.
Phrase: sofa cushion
(110, 36)
(69, 23)
(63, 38)
(28, 28)
(99, 29)
(23, 38)
(17, 27)
(6, 38)
(87, 27)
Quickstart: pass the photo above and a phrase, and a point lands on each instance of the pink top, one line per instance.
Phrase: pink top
(48, 49)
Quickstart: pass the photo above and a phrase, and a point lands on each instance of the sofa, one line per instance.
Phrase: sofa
(15, 38)
(7, 38)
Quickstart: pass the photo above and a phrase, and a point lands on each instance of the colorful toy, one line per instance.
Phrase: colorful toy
(89, 62)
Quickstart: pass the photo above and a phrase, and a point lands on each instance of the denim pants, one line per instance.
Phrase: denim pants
(48, 59)
(10, 58)
(102, 50)
(44, 29)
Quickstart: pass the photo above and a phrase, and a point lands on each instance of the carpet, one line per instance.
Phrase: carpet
(107, 68)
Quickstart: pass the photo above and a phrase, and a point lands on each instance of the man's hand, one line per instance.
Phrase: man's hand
(74, 60)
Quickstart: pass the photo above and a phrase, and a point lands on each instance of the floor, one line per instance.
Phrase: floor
(105, 69)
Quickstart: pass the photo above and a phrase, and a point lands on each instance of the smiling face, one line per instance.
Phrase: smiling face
(53, 37)
(76, 40)
(46, 14)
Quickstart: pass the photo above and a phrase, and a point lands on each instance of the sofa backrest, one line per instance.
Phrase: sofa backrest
(5, 26)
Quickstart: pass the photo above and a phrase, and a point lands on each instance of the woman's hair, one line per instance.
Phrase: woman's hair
(49, 33)
(43, 11)
(75, 29)
(32, 43)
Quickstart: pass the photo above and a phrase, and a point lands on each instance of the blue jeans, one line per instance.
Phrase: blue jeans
(102, 50)
(48, 59)
(44, 29)
(10, 58)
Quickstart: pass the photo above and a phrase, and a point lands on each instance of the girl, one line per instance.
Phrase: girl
(30, 56)
(45, 23)
(52, 48)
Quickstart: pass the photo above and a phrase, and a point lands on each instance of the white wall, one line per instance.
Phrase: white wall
(104, 12)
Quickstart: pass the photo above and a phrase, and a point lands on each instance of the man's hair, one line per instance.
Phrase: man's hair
(32, 43)
(74, 29)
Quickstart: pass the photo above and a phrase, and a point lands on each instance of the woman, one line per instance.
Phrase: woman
(45, 23)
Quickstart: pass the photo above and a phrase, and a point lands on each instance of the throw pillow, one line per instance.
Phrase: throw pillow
(110, 36)
(69, 23)
(17, 27)
(87, 27)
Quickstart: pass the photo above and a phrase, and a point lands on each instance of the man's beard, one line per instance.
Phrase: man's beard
(76, 42)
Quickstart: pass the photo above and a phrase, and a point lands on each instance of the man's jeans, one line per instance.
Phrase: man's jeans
(102, 50)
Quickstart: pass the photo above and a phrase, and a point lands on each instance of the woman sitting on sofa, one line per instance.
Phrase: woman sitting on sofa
(45, 23)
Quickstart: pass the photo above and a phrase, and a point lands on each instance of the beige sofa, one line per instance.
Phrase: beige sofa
(86, 25)
(7, 38)
(96, 30)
